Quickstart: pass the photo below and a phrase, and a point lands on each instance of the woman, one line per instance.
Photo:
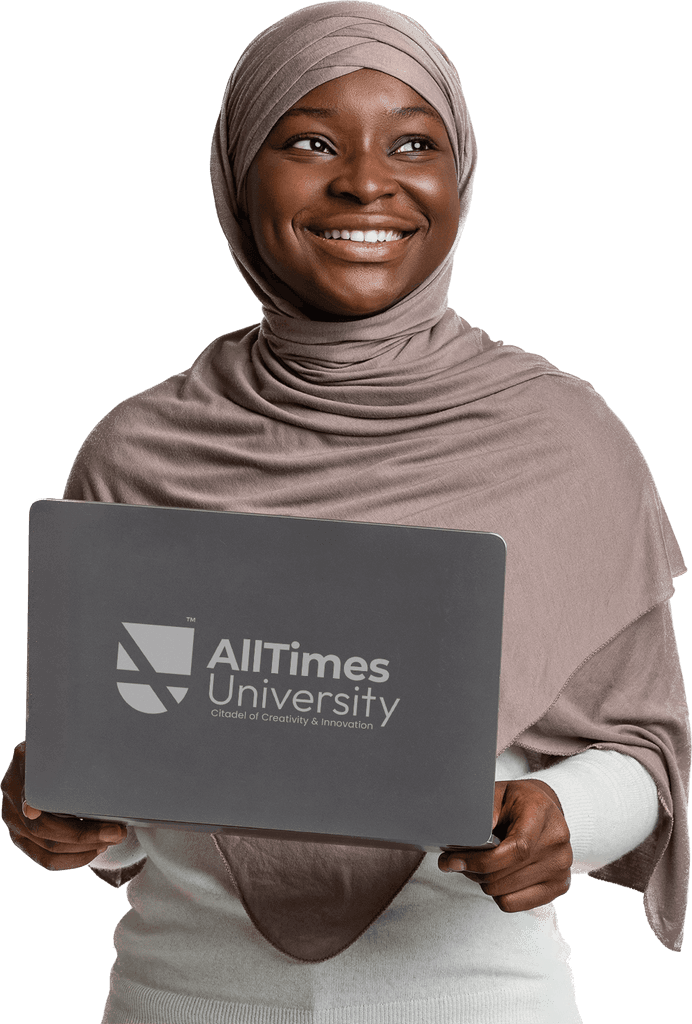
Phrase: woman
(359, 368)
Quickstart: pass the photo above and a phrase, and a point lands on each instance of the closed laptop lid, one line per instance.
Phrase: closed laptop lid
(254, 672)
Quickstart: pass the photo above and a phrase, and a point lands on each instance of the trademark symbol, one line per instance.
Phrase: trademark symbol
(191, 618)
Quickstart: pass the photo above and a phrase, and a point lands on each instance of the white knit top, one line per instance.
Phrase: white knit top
(442, 952)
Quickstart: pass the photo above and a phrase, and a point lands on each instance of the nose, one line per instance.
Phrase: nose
(364, 176)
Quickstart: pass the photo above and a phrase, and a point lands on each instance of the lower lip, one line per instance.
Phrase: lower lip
(361, 251)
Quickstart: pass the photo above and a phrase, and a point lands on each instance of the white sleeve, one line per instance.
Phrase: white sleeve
(609, 801)
(120, 862)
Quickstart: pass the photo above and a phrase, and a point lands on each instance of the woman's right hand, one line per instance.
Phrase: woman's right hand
(55, 843)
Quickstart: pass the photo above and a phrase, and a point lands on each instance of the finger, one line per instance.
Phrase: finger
(69, 829)
(532, 897)
(55, 846)
(516, 852)
(28, 811)
(557, 863)
(498, 800)
(530, 822)
(478, 866)
(468, 861)
(545, 872)
(23, 839)
(81, 834)
(451, 861)
(54, 861)
(511, 855)
(86, 834)
(511, 852)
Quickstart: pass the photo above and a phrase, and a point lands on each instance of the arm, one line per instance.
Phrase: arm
(610, 803)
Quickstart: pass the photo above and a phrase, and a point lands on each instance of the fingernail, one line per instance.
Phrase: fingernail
(112, 834)
(457, 864)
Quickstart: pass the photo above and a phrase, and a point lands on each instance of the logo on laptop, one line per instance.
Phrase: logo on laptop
(155, 652)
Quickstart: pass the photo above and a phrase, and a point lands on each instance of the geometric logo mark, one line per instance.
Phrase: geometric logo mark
(166, 648)
(141, 697)
(178, 692)
(157, 650)
(125, 661)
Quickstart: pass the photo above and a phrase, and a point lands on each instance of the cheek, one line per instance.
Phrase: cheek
(443, 199)
(442, 208)
(279, 194)
(437, 194)
(276, 197)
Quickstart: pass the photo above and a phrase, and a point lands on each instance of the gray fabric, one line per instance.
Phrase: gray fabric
(588, 713)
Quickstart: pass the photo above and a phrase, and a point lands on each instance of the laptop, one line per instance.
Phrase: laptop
(265, 675)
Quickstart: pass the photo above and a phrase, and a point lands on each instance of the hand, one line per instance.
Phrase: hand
(531, 865)
(53, 842)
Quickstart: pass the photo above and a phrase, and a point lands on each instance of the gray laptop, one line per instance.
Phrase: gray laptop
(264, 674)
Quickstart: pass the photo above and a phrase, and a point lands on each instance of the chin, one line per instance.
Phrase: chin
(354, 303)
(321, 309)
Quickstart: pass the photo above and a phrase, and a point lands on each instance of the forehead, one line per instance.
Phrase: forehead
(367, 94)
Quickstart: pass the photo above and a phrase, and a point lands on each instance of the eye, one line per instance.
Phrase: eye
(418, 145)
(311, 144)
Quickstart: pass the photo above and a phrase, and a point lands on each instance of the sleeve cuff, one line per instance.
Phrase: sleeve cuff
(609, 801)
(121, 862)
(118, 876)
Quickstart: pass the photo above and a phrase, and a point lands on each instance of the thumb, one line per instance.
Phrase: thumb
(500, 788)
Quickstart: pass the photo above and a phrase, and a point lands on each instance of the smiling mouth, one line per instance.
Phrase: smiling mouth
(372, 237)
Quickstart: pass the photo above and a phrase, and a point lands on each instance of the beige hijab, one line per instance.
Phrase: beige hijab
(412, 416)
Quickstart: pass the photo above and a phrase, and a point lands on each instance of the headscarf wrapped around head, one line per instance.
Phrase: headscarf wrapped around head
(290, 59)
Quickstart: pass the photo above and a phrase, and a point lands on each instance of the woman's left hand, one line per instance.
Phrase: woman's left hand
(531, 865)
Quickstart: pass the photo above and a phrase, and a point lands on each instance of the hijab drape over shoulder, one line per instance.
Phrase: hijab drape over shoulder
(412, 416)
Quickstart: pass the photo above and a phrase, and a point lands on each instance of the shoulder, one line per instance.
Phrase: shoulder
(136, 451)
(113, 451)
(569, 416)
(595, 464)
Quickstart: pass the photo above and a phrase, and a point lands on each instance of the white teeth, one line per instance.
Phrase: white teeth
(363, 236)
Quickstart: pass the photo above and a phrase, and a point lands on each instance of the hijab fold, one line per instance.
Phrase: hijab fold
(412, 416)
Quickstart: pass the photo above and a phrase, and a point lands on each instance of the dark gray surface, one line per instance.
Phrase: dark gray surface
(427, 600)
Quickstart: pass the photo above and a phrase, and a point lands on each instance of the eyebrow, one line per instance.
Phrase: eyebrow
(398, 112)
(409, 111)
(315, 111)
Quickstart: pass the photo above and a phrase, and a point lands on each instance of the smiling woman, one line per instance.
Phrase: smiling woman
(352, 198)
(342, 165)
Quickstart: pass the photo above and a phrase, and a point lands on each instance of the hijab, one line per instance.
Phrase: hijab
(412, 416)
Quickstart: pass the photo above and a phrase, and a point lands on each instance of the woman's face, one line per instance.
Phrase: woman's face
(364, 158)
